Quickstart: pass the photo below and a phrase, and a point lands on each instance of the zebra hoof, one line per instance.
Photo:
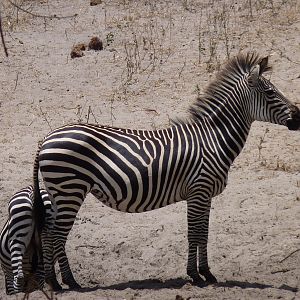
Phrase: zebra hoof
(71, 282)
(199, 283)
(209, 277)
(197, 280)
(55, 286)
(74, 286)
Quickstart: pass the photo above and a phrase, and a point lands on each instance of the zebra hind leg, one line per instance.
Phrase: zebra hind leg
(52, 281)
(53, 252)
(48, 258)
(66, 273)
(60, 238)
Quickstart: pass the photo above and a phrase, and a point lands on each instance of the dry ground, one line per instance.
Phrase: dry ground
(158, 55)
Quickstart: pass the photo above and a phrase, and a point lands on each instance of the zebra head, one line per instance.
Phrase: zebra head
(270, 104)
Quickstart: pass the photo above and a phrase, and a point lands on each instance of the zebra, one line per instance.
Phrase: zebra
(18, 243)
(22, 266)
(135, 171)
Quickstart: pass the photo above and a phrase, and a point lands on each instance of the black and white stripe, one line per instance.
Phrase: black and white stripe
(20, 256)
(18, 253)
(140, 170)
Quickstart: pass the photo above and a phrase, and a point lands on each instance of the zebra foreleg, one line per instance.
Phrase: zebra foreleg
(18, 281)
(202, 249)
(198, 221)
(18, 242)
(192, 270)
(9, 282)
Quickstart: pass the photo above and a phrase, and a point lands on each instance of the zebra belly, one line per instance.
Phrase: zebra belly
(138, 202)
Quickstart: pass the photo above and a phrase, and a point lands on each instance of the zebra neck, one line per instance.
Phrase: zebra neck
(223, 130)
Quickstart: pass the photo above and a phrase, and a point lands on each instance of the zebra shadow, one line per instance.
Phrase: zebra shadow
(254, 285)
(177, 283)
(151, 284)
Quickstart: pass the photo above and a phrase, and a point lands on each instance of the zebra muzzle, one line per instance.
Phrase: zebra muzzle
(293, 123)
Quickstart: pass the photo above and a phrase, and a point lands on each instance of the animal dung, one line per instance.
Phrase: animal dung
(76, 53)
(95, 44)
(77, 50)
(81, 46)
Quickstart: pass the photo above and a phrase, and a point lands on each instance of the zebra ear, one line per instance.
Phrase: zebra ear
(263, 65)
(254, 75)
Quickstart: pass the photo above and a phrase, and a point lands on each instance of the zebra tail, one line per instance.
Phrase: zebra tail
(39, 216)
(39, 211)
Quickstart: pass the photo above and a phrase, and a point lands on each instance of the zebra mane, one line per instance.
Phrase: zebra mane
(234, 69)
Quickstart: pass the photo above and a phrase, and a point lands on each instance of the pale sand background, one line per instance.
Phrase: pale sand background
(151, 70)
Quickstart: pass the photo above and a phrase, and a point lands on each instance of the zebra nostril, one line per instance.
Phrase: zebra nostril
(295, 112)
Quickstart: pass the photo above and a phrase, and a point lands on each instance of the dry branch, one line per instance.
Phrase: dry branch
(289, 255)
(45, 118)
(281, 271)
(51, 297)
(2, 37)
(41, 16)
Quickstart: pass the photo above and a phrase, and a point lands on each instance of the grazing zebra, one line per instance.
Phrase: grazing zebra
(22, 265)
(18, 253)
(141, 170)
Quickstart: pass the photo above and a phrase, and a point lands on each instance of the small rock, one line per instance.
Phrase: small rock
(95, 2)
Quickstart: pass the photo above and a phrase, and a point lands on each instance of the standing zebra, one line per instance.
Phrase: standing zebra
(141, 170)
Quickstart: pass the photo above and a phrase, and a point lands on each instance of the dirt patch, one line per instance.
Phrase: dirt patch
(158, 56)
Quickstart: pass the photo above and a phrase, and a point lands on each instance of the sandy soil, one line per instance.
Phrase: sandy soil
(157, 56)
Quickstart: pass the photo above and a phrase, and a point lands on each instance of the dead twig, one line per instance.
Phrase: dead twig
(51, 297)
(2, 37)
(112, 116)
(87, 246)
(26, 296)
(45, 118)
(289, 255)
(40, 16)
(34, 285)
(90, 112)
(262, 140)
(281, 271)
(182, 68)
(151, 110)
(16, 82)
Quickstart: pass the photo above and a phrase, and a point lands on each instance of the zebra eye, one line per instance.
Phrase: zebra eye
(269, 92)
